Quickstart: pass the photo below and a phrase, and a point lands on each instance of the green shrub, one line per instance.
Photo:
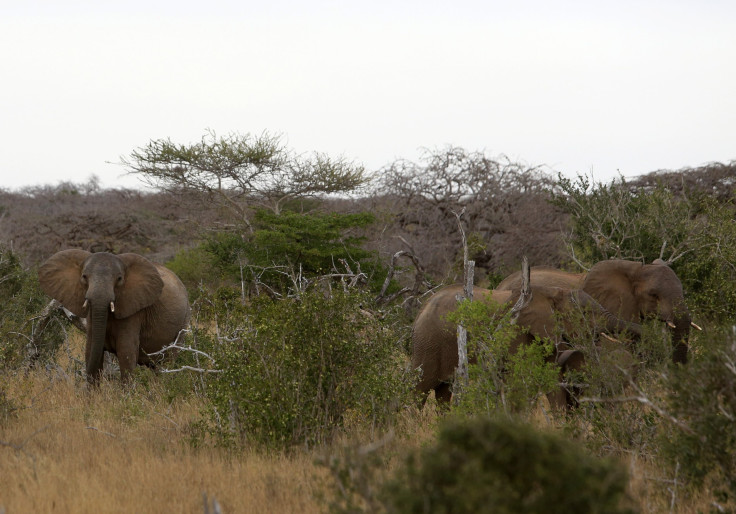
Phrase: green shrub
(293, 370)
(488, 465)
(610, 420)
(703, 396)
(693, 231)
(281, 249)
(497, 378)
(195, 266)
(22, 336)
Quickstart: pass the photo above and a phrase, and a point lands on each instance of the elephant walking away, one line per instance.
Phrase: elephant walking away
(133, 306)
(631, 290)
(434, 339)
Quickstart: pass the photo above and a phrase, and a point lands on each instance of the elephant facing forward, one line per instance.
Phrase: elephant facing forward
(133, 307)
(631, 290)
(434, 338)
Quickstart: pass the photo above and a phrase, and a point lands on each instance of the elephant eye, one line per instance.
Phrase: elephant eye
(84, 279)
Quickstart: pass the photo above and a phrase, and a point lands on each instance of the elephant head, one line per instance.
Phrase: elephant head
(101, 287)
(634, 291)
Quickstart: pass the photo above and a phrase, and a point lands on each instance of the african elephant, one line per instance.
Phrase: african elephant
(133, 306)
(435, 339)
(628, 289)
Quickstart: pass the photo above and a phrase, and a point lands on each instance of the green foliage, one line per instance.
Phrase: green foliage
(292, 370)
(613, 221)
(314, 241)
(237, 171)
(694, 232)
(708, 273)
(21, 300)
(483, 464)
(502, 374)
(608, 424)
(195, 266)
(703, 395)
(282, 249)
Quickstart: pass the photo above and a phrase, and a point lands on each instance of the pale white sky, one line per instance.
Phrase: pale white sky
(580, 86)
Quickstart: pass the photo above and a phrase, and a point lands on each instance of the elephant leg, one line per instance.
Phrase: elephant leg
(558, 398)
(128, 345)
(443, 394)
(127, 358)
(570, 360)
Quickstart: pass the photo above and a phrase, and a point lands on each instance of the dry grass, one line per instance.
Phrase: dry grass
(68, 449)
(103, 451)
(71, 449)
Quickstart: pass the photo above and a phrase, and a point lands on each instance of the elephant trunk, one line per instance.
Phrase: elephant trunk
(680, 334)
(96, 328)
(612, 323)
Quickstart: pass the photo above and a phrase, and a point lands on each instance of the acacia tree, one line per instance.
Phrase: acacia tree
(241, 172)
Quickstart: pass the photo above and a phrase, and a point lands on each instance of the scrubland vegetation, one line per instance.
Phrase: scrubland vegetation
(291, 390)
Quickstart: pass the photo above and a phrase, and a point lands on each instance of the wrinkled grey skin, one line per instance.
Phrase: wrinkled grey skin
(631, 290)
(150, 304)
(434, 339)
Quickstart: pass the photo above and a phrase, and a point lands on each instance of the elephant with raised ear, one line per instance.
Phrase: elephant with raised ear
(434, 339)
(133, 306)
(631, 290)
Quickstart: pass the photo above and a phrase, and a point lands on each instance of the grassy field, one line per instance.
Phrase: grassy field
(66, 448)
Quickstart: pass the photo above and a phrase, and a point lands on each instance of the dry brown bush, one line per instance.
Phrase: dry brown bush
(504, 206)
(39, 221)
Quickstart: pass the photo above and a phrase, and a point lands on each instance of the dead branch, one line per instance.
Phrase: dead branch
(418, 277)
(175, 346)
(190, 368)
(101, 432)
(642, 398)
(525, 295)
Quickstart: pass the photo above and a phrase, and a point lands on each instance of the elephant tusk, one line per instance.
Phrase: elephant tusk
(85, 304)
(612, 339)
(696, 327)
(671, 325)
(112, 306)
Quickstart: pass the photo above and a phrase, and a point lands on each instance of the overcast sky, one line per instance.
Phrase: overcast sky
(580, 86)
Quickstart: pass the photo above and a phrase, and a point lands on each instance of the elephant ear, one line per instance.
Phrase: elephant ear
(141, 287)
(60, 278)
(537, 315)
(611, 283)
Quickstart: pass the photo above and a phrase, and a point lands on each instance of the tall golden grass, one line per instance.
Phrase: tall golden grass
(73, 450)
(69, 448)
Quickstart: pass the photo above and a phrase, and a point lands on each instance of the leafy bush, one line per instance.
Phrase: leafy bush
(282, 249)
(693, 231)
(497, 377)
(292, 370)
(483, 464)
(22, 299)
(703, 396)
(195, 266)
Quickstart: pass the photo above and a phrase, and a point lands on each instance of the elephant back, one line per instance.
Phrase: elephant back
(543, 276)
